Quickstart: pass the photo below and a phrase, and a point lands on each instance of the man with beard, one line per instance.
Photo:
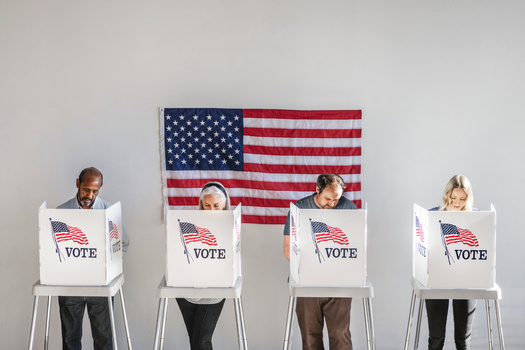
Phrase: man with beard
(72, 309)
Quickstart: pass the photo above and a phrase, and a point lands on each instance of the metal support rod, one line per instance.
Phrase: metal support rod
(500, 329)
(33, 321)
(410, 317)
(125, 316)
(371, 317)
(489, 324)
(112, 320)
(48, 317)
(367, 325)
(159, 322)
(287, 345)
(418, 326)
(163, 328)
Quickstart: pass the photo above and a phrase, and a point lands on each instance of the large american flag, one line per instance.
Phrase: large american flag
(265, 158)
(64, 232)
(324, 233)
(454, 234)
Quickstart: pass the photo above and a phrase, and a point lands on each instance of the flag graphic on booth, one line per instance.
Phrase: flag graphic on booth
(454, 234)
(191, 233)
(321, 232)
(63, 232)
(113, 230)
(419, 231)
(324, 232)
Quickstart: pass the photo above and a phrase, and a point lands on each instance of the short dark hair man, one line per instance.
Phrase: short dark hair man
(311, 312)
(72, 309)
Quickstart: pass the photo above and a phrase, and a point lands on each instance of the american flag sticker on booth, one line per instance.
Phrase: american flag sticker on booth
(191, 233)
(63, 232)
(113, 230)
(419, 231)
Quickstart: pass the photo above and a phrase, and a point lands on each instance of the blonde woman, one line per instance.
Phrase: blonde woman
(201, 315)
(456, 197)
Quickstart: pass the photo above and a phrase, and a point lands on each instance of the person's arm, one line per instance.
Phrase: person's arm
(287, 247)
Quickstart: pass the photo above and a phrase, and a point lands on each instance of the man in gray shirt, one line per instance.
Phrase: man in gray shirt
(311, 312)
(72, 309)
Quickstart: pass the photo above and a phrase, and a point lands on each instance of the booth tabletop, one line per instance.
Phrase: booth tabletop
(423, 292)
(93, 291)
(199, 292)
(366, 291)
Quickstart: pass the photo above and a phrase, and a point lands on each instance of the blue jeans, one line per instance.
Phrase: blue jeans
(72, 314)
(200, 321)
(437, 311)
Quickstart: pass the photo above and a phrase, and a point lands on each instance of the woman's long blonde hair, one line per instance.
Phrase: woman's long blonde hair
(458, 181)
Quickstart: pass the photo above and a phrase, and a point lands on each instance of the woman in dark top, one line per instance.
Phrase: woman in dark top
(201, 314)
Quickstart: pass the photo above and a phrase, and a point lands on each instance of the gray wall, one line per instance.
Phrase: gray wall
(440, 84)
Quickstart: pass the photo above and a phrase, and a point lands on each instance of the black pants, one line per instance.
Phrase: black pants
(437, 322)
(200, 321)
(72, 315)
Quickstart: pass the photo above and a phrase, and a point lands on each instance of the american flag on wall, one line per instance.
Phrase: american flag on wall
(265, 158)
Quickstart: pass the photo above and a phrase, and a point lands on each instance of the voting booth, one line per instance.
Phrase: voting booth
(454, 249)
(203, 248)
(328, 247)
(80, 247)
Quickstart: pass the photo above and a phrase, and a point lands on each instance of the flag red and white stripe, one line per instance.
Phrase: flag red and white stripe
(64, 232)
(283, 152)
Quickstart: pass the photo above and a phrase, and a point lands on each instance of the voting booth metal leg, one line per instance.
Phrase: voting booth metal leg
(418, 324)
(500, 328)
(125, 316)
(158, 327)
(48, 317)
(489, 325)
(33, 319)
(163, 311)
(112, 320)
(239, 316)
(289, 318)
(369, 324)
(410, 316)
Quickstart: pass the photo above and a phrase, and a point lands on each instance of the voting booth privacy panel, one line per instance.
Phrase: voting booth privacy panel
(328, 247)
(80, 247)
(454, 249)
(203, 248)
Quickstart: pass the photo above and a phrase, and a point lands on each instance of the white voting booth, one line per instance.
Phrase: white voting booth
(454, 249)
(454, 257)
(80, 247)
(328, 259)
(203, 260)
(203, 248)
(328, 247)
